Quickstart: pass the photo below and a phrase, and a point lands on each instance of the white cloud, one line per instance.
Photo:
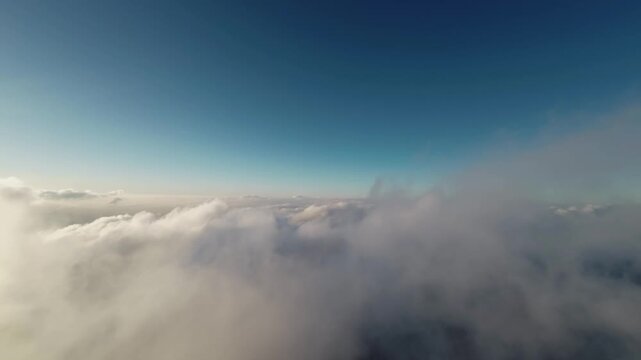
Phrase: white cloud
(13, 188)
(421, 276)
(480, 271)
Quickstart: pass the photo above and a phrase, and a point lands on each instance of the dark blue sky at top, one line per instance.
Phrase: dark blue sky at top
(277, 96)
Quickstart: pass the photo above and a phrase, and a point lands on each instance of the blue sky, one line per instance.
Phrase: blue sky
(289, 97)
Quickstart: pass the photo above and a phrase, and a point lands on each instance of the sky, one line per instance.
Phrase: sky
(295, 97)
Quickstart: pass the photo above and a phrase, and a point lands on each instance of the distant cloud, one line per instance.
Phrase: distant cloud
(14, 188)
(253, 197)
(116, 200)
(70, 194)
(585, 209)
(311, 212)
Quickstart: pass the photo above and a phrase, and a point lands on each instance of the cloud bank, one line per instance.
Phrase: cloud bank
(14, 188)
(484, 270)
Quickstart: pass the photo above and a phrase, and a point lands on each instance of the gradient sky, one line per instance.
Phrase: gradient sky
(288, 97)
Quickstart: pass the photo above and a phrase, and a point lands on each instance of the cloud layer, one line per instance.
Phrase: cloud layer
(429, 277)
(481, 271)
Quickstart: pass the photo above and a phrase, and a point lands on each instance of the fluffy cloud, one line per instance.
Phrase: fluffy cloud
(425, 277)
(13, 188)
(480, 271)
